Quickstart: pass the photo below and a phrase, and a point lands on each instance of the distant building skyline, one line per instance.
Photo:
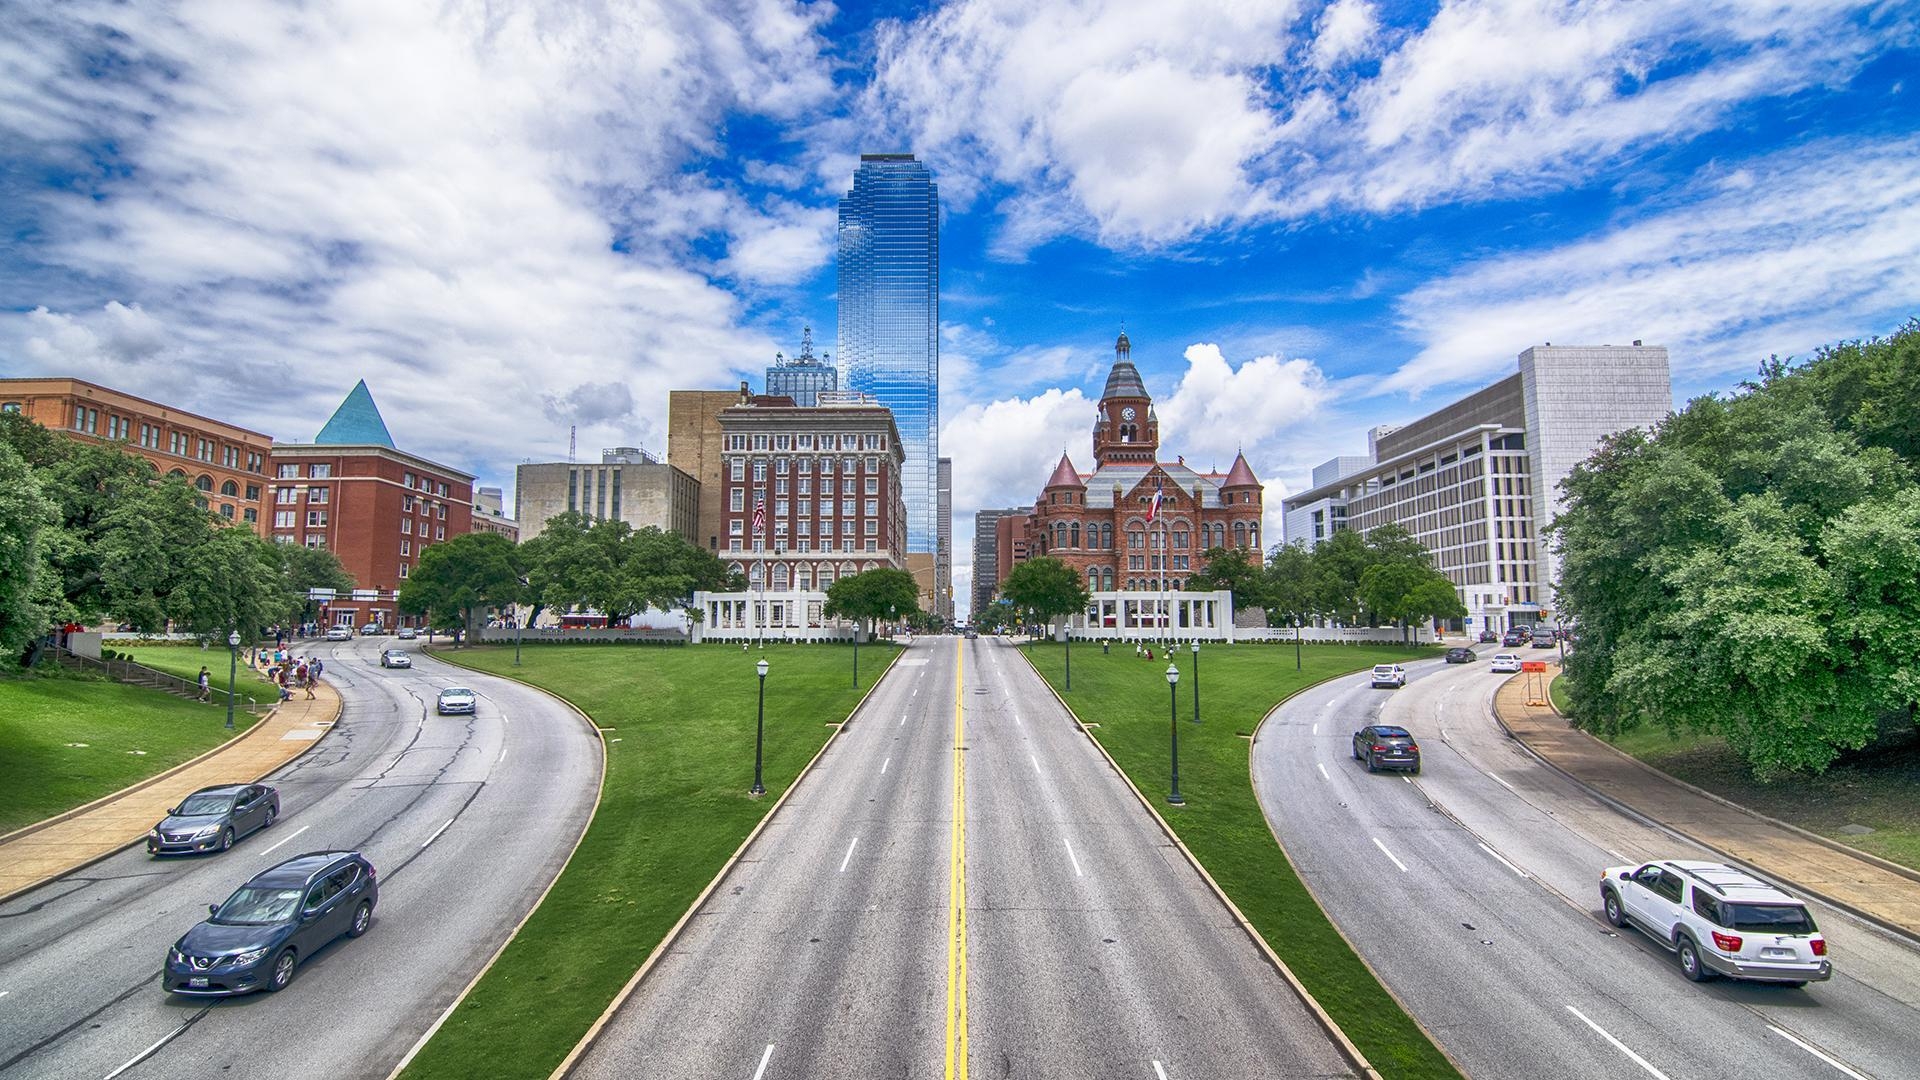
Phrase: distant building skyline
(804, 377)
(889, 317)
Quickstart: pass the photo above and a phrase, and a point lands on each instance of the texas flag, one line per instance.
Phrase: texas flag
(1153, 510)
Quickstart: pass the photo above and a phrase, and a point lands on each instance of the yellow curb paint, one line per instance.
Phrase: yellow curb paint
(957, 885)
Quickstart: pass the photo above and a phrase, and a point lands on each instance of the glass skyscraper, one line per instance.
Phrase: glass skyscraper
(890, 317)
(803, 378)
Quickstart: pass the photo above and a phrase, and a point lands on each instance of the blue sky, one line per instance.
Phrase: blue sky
(1310, 217)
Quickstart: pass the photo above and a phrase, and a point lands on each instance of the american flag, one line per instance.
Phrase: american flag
(759, 513)
(1153, 510)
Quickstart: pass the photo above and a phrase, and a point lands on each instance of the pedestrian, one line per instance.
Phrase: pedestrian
(206, 684)
(306, 680)
(286, 694)
(317, 666)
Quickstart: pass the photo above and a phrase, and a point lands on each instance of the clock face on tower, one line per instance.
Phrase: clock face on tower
(1126, 413)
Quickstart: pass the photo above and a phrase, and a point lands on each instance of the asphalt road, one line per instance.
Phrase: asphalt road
(1473, 890)
(466, 819)
(1088, 947)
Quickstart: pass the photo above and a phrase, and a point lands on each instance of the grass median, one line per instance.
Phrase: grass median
(679, 731)
(187, 660)
(1221, 822)
(66, 740)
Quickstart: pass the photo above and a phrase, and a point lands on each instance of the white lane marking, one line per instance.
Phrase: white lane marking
(288, 837)
(1035, 758)
(1495, 777)
(1615, 854)
(503, 754)
(1316, 729)
(1503, 862)
(1323, 770)
(1159, 1072)
(903, 719)
(764, 1058)
(1789, 1037)
(883, 766)
(151, 1050)
(1072, 858)
(1617, 1044)
(849, 858)
(4, 993)
(1389, 854)
(437, 832)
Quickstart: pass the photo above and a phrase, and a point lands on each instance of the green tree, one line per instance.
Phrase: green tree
(1048, 589)
(301, 569)
(458, 579)
(1234, 569)
(1293, 585)
(25, 517)
(884, 593)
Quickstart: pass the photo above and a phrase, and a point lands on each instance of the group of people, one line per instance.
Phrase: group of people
(284, 670)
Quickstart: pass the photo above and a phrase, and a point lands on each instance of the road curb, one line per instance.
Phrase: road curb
(598, 791)
(1901, 932)
(665, 944)
(1325, 1020)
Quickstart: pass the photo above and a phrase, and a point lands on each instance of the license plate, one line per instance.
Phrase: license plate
(1782, 953)
(197, 982)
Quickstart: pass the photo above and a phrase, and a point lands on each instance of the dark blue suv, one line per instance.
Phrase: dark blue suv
(272, 923)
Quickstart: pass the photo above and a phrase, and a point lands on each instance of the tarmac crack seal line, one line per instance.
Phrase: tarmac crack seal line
(956, 1044)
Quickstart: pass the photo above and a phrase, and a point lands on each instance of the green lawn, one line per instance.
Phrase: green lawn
(68, 740)
(1221, 821)
(1877, 792)
(674, 806)
(186, 661)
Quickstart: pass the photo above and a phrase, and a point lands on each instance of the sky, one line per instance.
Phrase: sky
(1310, 218)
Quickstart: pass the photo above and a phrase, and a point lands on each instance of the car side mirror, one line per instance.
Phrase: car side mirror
(173, 811)
(1626, 875)
(213, 909)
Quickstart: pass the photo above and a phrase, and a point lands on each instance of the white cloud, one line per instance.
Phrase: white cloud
(1218, 409)
(1003, 450)
(1784, 254)
(1140, 124)
(487, 211)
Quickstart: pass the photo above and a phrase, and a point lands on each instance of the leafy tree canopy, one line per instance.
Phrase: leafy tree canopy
(1045, 587)
(884, 593)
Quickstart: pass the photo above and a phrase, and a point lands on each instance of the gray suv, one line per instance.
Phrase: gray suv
(272, 923)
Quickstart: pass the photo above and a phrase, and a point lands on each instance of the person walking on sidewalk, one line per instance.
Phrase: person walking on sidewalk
(206, 684)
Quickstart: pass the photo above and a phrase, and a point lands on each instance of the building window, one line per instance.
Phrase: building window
(317, 542)
(439, 532)
(736, 527)
(406, 526)
(288, 472)
(10, 407)
(283, 519)
(319, 471)
(407, 478)
(317, 496)
(250, 515)
(873, 507)
(403, 570)
(316, 519)
(737, 500)
(286, 496)
(226, 511)
(780, 464)
(1136, 541)
(872, 527)
(779, 508)
(760, 472)
(204, 483)
(406, 547)
(253, 492)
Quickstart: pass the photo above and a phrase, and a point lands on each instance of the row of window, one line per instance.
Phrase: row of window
(1066, 535)
(86, 420)
(1101, 578)
(805, 527)
(843, 441)
(802, 545)
(737, 503)
(737, 467)
(318, 470)
(804, 486)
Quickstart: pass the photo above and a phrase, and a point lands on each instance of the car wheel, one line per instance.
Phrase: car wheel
(226, 839)
(1610, 904)
(1356, 755)
(1416, 768)
(272, 812)
(1371, 767)
(282, 974)
(1690, 965)
(362, 918)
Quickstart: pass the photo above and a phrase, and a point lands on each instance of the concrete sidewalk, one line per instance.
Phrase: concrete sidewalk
(60, 845)
(1854, 881)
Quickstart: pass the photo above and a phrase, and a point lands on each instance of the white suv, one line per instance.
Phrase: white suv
(1718, 921)
(1391, 676)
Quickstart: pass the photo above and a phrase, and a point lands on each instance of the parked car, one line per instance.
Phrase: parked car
(339, 633)
(395, 658)
(269, 925)
(406, 633)
(1391, 676)
(1505, 662)
(456, 699)
(212, 818)
(371, 629)
(1384, 746)
(1717, 920)
(1461, 656)
(1488, 637)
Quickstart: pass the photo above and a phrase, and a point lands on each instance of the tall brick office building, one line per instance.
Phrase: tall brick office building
(377, 507)
(1099, 522)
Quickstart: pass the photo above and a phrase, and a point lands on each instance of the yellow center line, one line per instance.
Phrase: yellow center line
(957, 888)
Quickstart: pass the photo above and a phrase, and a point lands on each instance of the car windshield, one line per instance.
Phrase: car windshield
(253, 906)
(198, 805)
(1769, 918)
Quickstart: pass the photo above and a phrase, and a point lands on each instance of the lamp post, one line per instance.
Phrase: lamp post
(1173, 695)
(1296, 643)
(516, 626)
(1196, 680)
(1069, 636)
(233, 670)
(759, 731)
(856, 654)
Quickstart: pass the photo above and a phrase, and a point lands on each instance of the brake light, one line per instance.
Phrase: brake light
(1726, 942)
(1414, 746)
(1378, 749)
(1819, 946)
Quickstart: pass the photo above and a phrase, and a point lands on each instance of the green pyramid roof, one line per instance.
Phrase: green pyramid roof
(356, 422)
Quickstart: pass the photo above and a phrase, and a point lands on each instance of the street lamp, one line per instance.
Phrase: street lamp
(1196, 680)
(1069, 635)
(233, 670)
(759, 731)
(856, 654)
(516, 626)
(1296, 643)
(1173, 693)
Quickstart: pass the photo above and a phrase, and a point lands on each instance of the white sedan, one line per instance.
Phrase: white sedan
(1505, 662)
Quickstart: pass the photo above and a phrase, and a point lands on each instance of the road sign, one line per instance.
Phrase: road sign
(1533, 665)
(366, 594)
(319, 594)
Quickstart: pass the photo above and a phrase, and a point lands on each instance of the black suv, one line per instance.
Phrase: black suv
(270, 924)
(1385, 746)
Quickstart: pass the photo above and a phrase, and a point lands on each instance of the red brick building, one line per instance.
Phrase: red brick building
(226, 463)
(376, 507)
(1105, 523)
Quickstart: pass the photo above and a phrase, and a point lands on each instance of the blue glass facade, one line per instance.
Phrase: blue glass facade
(889, 265)
(803, 378)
